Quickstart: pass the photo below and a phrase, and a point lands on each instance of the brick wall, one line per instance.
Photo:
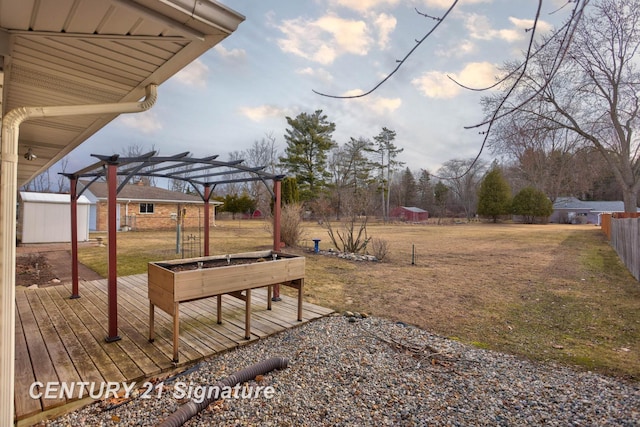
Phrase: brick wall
(163, 216)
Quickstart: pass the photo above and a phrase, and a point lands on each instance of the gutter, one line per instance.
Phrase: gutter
(8, 198)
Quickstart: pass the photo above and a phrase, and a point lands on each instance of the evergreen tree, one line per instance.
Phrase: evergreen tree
(290, 193)
(494, 198)
(387, 152)
(531, 204)
(309, 139)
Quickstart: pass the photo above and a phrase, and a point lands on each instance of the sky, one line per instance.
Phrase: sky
(243, 89)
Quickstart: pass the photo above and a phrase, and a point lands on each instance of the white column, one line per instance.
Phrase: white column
(8, 194)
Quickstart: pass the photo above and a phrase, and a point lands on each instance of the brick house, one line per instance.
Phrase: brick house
(141, 206)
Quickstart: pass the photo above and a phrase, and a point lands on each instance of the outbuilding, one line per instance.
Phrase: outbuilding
(409, 213)
(46, 218)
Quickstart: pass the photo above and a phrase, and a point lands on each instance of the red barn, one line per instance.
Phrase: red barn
(412, 214)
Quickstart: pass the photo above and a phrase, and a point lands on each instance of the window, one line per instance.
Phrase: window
(146, 208)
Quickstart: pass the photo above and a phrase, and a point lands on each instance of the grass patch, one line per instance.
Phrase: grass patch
(547, 292)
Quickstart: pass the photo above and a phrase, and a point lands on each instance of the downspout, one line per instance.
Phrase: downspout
(8, 198)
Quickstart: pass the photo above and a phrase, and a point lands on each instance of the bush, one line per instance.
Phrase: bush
(531, 204)
(291, 224)
(379, 248)
(350, 236)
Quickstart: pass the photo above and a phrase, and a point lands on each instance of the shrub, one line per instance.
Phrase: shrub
(291, 224)
(379, 248)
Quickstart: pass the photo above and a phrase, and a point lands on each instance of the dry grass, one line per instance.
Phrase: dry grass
(547, 292)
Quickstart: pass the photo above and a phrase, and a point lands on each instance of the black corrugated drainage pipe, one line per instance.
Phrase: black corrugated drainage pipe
(191, 408)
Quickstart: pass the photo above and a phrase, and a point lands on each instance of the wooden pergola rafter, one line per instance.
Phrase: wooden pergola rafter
(181, 166)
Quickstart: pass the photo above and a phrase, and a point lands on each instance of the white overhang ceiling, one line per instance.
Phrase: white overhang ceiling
(76, 52)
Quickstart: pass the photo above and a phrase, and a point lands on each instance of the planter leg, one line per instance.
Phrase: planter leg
(152, 332)
(247, 316)
(300, 293)
(176, 330)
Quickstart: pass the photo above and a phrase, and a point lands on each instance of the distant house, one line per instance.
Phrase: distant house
(570, 210)
(412, 214)
(46, 218)
(144, 207)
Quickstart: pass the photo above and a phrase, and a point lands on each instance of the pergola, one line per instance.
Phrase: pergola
(203, 174)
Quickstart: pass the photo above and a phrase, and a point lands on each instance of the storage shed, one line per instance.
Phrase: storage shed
(46, 218)
(409, 213)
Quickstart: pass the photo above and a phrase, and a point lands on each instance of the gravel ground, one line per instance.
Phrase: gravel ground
(370, 371)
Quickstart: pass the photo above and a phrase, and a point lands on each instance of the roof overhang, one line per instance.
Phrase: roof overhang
(77, 52)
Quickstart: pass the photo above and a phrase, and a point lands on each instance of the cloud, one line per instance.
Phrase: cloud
(385, 25)
(480, 28)
(363, 6)
(462, 48)
(375, 104)
(528, 23)
(232, 55)
(446, 4)
(436, 84)
(194, 74)
(261, 112)
(324, 39)
(317, 73)
(146, 122)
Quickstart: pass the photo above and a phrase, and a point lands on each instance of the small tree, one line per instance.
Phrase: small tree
(494, 198)
(531, 204)
(238, 204)
(440, 196)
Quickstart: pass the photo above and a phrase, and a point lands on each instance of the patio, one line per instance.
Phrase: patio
(62, 340)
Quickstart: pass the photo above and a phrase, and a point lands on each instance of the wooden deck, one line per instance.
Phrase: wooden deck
(63, 340)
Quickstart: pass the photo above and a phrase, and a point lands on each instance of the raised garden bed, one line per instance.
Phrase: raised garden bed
(176, 281)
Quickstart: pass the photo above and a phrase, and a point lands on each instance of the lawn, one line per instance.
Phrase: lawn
(547, 292)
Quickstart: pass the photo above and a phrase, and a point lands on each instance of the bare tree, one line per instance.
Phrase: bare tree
(464, 186)
(594, 94)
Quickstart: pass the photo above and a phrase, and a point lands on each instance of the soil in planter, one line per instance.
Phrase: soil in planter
(212, 263)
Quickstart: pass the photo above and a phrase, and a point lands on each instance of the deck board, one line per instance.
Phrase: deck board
(63, 340)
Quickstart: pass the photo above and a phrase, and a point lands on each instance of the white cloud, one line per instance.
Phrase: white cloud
(324, 39)
(436, 84)
(363, 5)
(528, 23)
(318, 73)
(194, 74)
(375, 104)
(464, 47)
(480, 28)
(146, 122)
(446, 4)
(233, 54)
(385, 25)
(261, 112)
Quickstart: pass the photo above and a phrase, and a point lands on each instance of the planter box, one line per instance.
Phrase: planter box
(176, 281)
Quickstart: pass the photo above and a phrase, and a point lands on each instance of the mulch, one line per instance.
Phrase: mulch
(48, 265)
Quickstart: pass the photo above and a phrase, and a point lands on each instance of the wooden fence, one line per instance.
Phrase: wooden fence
(623, 231)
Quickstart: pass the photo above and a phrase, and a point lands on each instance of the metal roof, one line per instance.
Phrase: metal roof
(77, 52)
(57, 198)
(572, 203)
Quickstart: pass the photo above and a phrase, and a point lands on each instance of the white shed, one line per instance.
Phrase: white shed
(46, 218)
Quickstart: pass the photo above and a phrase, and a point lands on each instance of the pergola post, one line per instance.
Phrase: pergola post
(277, 195)
(207, 195)
(112, 281)
(73, 194)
